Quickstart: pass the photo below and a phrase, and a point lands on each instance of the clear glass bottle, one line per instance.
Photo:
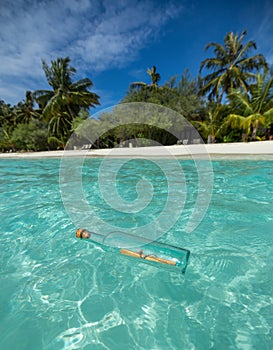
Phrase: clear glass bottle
(153, 253)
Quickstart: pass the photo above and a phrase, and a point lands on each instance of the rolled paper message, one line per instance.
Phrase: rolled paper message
(153, 253)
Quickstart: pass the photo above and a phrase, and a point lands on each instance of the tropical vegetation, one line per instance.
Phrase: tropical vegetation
(45, 119)
(253, 110)
(231, 101)
(232, 67)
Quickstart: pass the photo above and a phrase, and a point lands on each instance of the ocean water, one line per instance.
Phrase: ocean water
(58, 292)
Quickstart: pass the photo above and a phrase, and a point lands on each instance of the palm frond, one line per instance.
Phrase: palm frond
(269, 116)
(235, 121)
(81, 85)
(137, 85)
(232, 63)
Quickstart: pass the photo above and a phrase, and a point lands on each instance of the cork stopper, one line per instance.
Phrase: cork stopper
(82, 233)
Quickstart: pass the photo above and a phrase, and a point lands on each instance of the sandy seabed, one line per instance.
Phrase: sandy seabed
(259, 149)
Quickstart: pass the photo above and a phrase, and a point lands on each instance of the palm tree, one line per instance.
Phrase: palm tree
(6, 114)
(154, 76)
(213, 124)
(256, 107)
(63, 103)
(231, 66)
(7, 125)
(25, 110)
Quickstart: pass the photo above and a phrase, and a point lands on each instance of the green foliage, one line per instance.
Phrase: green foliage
(231, 66)
(181, 96)
(60, 109)
(213, 127)
(7, 124)
(255, 109)
(7, 115)
(24, 111)
(154, 76)
(184, 96)
(66, 99)
(6, 143)
(77, 121)
(30, 137)
(47, 118)
(137, 134)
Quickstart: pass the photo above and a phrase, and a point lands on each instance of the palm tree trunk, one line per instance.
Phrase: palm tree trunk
(254, 132)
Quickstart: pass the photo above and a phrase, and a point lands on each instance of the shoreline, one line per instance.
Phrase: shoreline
(245, 150)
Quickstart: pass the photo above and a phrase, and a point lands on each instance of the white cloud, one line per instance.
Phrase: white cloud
(97, 35)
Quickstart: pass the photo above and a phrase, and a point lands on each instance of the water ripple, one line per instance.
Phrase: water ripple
(59, 293)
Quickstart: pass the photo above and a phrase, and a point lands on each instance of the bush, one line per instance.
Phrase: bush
(30, 137)
(5, 139)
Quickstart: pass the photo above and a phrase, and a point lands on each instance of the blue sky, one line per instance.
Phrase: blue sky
(114, 42)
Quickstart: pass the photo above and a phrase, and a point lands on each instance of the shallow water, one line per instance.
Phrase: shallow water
(61, 293)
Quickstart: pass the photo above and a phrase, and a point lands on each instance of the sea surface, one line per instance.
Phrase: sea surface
(59, 292)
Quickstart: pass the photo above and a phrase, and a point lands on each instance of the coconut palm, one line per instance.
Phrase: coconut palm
(63, 103)
(232, 68)
(256, 107)
(154, 76)
(213, 124)
(208, 126)
(25, 111)
(7, 115)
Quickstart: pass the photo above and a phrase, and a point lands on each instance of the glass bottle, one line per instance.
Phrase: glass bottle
(153, 253)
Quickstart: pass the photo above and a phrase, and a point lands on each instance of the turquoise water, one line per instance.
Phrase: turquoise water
(58, 292)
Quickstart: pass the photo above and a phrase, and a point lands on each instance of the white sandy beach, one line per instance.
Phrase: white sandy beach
(259, 149)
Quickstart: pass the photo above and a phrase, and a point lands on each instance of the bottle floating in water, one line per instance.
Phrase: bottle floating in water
(153, 253)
